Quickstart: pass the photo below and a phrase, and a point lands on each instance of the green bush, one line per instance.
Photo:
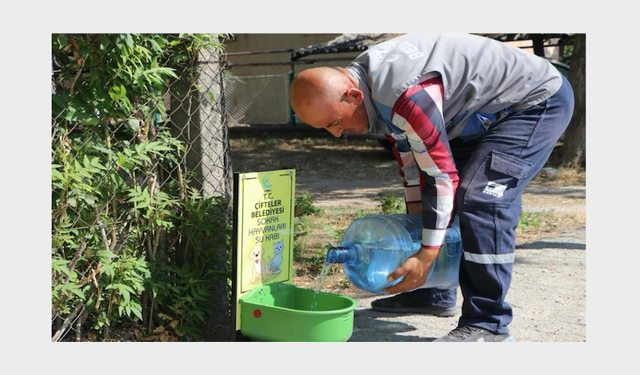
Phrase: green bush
(390, 204)
(304, 205)
(131, 241)
(533, 219)
(361, 212)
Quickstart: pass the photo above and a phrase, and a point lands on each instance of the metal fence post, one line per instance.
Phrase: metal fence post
(292, 114)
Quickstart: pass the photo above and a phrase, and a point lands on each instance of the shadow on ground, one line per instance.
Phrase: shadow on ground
(370, 326)
(536, 245)
(579, 192)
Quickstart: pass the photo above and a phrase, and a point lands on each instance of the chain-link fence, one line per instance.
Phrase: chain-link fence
(262, 99)
(141, 185)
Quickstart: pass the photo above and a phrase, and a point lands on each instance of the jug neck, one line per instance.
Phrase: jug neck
(342, 254)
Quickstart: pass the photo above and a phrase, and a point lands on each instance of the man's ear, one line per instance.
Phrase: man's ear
(354, 95)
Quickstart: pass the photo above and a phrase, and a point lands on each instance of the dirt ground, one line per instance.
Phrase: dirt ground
(347, 175)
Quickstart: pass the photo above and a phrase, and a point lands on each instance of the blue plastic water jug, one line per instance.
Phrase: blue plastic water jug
(375, 245)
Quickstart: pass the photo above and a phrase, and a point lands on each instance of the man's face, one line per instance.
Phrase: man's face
(339, 117)
(342, 112)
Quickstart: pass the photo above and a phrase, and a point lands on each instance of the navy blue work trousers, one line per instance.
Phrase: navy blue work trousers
(493, 171)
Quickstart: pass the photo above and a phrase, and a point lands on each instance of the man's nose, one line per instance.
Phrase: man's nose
(335, 132)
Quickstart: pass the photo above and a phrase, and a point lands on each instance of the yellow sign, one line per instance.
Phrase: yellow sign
(264, 229)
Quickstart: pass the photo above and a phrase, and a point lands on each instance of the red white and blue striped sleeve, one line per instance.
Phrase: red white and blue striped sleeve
(418, 112)
(409, 170)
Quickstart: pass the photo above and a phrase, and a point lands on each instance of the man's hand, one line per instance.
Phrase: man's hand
(415, 268)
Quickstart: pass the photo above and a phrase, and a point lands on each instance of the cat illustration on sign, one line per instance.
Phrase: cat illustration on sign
(265, 268)
(276, 261)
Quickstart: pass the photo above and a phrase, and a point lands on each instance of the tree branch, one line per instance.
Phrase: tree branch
(67, 322)
(77, 76)
(72, 265)
(103, 232)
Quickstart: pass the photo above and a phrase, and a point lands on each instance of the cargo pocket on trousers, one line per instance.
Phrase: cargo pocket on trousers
(495, 183)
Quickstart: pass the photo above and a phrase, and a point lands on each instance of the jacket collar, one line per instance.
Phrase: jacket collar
(360, 75)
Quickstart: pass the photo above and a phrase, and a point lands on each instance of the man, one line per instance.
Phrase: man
(472, 121)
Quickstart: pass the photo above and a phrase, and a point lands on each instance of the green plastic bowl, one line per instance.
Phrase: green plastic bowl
(282, 312)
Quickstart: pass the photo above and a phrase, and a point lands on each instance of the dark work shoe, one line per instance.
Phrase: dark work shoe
(474, 334)
(406, 303)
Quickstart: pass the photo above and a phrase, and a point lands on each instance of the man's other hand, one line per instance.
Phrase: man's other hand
(415, 270)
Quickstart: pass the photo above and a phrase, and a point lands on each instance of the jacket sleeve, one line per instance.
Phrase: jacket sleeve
(418, 112)
(409, 170)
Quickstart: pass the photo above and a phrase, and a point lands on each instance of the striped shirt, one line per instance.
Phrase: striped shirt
(421, 147)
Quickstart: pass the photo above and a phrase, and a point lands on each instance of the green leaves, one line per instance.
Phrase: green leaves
(105, 256)
(59, 41)
(127, 275)
(55, 173)
(304, 205)
(129, 40)
(58, 105)
(390, 204)
(140, 153)
(124, 290)
(65, 289)
(159, 72)
(139, 196)
(158, 207)
(60, 266)
(114, 186)
(188, 293)
(83, 116)
(117, 92)
(134, 123)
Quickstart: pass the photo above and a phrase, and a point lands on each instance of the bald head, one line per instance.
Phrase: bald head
(314, 88)
(323, 97)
